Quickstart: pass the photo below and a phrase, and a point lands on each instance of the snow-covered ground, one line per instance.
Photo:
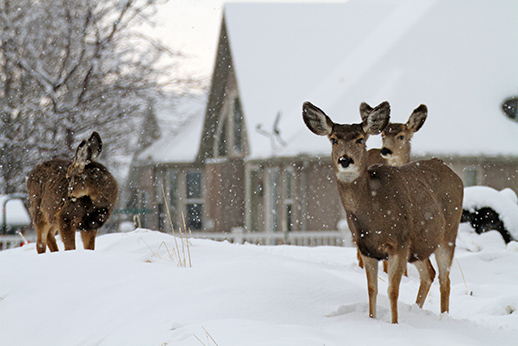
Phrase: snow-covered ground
(131, 291)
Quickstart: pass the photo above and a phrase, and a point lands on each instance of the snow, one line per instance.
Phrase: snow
(131, 291)
(504, 202)
(341, 54)
(180, 131)
(16, 213)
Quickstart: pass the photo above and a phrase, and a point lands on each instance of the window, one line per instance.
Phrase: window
(256, 195)
(288, 199)
(272, 196)
(230, 135)
(471, 176)
(173, 197)
(194, 200)
(194, 216)
(194, 185)
(238, 125)
(222, 139)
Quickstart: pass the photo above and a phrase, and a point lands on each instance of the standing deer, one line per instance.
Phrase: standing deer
(395, 150)
(401, 213)
(396, 137)
(67, 196)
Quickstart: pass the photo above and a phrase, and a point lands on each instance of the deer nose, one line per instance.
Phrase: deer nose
(345, 161)
(386, 151)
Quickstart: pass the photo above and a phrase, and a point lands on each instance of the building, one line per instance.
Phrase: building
(252, 163)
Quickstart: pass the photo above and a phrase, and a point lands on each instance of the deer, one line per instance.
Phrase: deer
(395, 150)
(66, 196)
(403, 214)
(396, 138)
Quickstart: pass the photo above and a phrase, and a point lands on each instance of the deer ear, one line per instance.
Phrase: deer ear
(377, 119)
(87, 151)
(81, 158)
(316, 120)
(417, 118)
(365, 110)
(96, 145)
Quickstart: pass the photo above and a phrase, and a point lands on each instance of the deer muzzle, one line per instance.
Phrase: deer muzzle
(386, 152)
(345, 161)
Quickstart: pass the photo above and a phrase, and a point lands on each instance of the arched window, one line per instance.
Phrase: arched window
(230, 137)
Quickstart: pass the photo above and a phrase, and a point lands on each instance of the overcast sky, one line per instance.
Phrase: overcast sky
(192, 26)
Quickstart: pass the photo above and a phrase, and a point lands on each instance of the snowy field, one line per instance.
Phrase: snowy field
(131, 291)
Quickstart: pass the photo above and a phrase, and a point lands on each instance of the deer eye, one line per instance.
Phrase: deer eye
(333, 140)
(401, 137)
(359, 140)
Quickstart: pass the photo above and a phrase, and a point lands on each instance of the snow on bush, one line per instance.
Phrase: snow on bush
(504, 202)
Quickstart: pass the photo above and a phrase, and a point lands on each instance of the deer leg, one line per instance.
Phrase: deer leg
(385, 268)
(371, 269)
(397, 265)
(426, 274)
(42, 231)
(51, 241)
(89, 239)
(68, 233)
(359, 256)
(444, 257)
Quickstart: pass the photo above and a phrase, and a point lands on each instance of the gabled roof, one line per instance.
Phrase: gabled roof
(180, 126)
(459, 57)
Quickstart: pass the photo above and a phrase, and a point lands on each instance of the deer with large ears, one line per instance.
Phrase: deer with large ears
(396, 137)
(395, 150)
(403, 214)
(66, 196)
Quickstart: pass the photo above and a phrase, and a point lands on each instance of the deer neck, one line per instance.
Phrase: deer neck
(356, 195)
(400, 160)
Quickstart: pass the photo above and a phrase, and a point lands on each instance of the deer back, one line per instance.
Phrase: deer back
(415, 204)
(47, 188)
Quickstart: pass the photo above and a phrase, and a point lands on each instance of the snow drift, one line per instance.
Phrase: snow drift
(131, 291)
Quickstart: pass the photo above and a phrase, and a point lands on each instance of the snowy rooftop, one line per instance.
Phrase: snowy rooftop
(456, 56)
(180, 131)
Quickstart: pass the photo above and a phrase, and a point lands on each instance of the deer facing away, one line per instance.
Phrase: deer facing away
(395, 150)
(66, 196)
(403, 214)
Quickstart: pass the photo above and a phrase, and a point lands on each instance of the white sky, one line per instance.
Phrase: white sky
(192, 26)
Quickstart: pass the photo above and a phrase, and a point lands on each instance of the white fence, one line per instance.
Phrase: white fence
(310, 238)
(239, 236)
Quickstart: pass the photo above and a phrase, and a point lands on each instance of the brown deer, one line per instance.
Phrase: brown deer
(66, 196)
(403, 214)
(396, 137)
(395, 150)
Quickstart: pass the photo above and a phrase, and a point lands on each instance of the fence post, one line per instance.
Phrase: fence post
(238, 235)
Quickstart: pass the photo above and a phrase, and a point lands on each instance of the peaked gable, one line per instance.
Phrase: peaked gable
(224, 131)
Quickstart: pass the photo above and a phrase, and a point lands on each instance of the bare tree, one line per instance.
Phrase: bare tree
(70, 66)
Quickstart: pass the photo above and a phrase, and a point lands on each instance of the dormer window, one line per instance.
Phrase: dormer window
(237, 111)
(230, 135)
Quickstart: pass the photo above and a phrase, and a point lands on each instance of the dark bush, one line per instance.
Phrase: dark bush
(485, 220)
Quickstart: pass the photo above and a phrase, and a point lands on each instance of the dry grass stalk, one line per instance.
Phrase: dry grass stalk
(136, 221)
(208, 336)
(171, 223)
(187, 240)
(182, 260)
(463, 278)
